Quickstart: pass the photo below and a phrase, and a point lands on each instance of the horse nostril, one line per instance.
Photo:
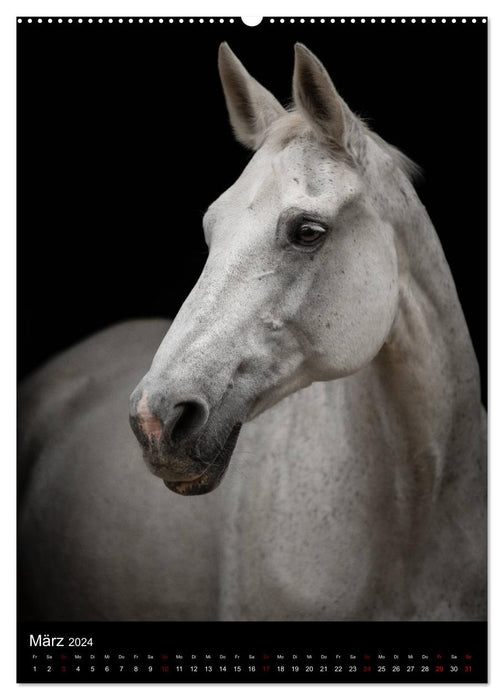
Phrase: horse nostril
(158, 417)
(187, 418)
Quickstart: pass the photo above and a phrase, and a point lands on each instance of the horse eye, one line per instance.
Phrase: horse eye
(308, 234)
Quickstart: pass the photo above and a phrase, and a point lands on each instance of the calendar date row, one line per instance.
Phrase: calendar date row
(250, 668)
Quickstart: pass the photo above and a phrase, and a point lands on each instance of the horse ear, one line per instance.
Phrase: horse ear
(317, 99)
(251, 107)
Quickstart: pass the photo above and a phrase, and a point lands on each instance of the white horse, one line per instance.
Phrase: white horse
(327, 327)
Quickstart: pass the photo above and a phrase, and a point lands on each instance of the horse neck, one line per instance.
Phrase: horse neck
(425, 380)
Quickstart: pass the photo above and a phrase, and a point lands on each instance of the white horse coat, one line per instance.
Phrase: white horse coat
(327, 325)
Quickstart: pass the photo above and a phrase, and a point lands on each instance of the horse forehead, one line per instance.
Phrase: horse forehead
(310, 167)
(303, 167)
(301, 172)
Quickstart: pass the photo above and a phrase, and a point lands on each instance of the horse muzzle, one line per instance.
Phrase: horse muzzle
(171, 434)
(212, 475)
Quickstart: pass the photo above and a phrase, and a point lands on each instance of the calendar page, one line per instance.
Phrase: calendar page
(252, 349)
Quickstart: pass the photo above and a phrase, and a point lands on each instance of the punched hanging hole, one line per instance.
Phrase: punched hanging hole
(251, 21)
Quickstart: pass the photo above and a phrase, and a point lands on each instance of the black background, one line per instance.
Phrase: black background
(123, 142)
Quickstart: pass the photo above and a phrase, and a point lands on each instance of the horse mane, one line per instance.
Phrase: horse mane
(405, 164)
(293, 125)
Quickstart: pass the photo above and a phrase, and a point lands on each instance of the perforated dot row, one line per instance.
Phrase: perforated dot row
(128, 20)
(374, 20)
(231, 20)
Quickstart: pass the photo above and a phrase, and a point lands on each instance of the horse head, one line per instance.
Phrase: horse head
(301, 282)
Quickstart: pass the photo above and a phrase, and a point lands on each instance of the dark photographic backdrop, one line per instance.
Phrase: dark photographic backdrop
(123, 142)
